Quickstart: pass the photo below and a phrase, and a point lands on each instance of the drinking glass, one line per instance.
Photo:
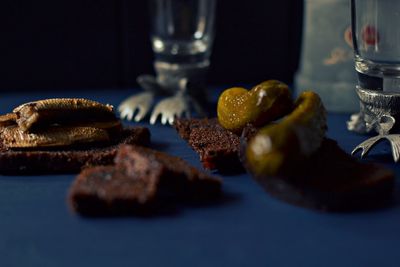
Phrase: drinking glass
(182, 34)
(376, 40)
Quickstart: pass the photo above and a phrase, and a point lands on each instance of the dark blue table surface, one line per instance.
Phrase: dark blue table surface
(246, 228)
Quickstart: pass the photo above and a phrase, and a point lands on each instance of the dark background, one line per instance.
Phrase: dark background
(104, 43)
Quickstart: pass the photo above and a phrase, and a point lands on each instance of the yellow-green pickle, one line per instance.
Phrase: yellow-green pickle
(264, 103)
(277, 148)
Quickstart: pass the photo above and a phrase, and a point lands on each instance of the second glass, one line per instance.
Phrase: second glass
(376, 39)
(182, 34)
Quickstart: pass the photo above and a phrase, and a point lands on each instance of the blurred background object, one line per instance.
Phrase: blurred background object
(327, 61)
(182, 34)
(376, 37)
(102, 44)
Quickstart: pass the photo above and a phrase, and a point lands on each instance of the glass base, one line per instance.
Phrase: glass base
(377, 68)
(378, 75)
(173, 75)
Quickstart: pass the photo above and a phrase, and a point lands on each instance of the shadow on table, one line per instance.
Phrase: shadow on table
(160, 146)
(169, 207)
(384, 157)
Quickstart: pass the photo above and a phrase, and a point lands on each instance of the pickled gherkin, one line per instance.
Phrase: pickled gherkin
(264, 103)
(276, 148)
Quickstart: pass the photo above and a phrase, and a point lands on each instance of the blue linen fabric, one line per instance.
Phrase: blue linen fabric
(246, 228)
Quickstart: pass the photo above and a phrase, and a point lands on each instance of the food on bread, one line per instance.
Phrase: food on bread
(61, 111)
(8, 119)
(294, 161)
(53, 137)
(262, 104)
(69, 159)
(139, 180)
(277, 147)
(217, 141)
(62, 135)
(291, 158)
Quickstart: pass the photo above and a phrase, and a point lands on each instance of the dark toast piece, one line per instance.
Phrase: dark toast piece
(140, 179)
(177, 175)
(106, 190)
(332, 180)
(217, 147)
(70, 160)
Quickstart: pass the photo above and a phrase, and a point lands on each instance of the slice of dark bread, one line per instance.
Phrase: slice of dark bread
(68, 160)
(106, 190)
(140, 179)
(177, 175)
(217, 147)
(332, 180)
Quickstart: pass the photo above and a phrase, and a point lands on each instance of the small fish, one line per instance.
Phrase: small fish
(33, 115)
(8, 119)
(56, 136)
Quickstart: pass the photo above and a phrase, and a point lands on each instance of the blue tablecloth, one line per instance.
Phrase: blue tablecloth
(246, 228)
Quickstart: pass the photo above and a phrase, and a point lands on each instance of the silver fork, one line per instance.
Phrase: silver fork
(137, 106)
(383, 126)
(366, 146)
(173, 107)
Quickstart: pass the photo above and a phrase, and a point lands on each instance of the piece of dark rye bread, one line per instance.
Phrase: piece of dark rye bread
(69, 160)
(332, 180)
(140, 179)
(217, 147)
(107, 190)
(178, 176)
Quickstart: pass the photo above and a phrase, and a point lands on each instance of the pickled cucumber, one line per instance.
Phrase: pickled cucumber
(277, 148)
(264, 103)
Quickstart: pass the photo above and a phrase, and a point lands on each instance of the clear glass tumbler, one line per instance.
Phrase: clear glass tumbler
(376, 40)
(182, 34)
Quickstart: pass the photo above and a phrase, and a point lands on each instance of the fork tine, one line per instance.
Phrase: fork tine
(130, 114)
(365, 151)
(395, 151)
(136, 106)
(121, 107)
(153, 118)
(395, 144)
(134, 114)
(140, 114)
(122, 114)
(366, 146)
(126, 113)
(155, 114)
(169, 109)
(356, 149)
(171, 120)
(158, 110)
(164, 117)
